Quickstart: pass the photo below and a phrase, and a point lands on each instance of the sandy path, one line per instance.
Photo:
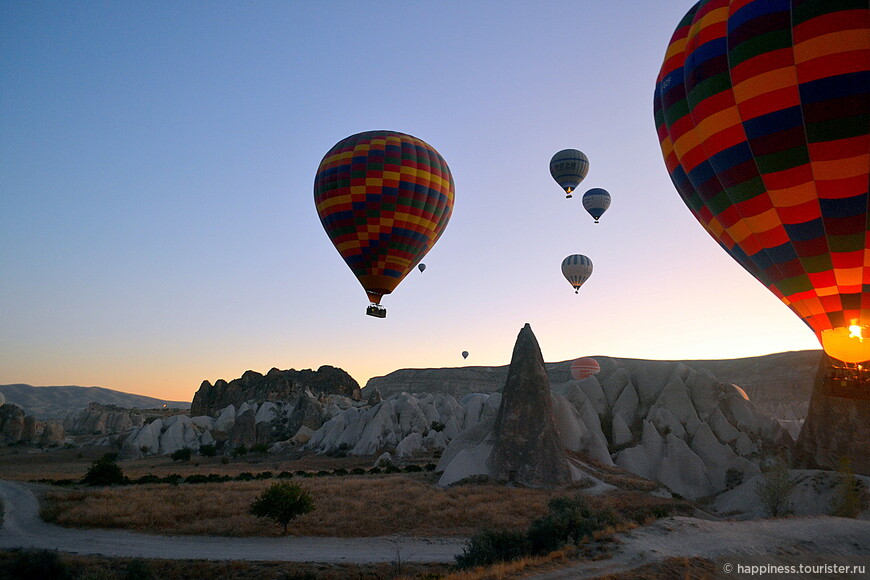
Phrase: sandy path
(836, 540)
(22, 528)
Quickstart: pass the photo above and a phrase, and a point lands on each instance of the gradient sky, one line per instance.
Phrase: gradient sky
(157, 224)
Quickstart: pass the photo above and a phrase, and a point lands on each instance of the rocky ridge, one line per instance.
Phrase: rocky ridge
(276, 385)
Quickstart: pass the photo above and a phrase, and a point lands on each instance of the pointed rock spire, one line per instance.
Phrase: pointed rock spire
(526, 445)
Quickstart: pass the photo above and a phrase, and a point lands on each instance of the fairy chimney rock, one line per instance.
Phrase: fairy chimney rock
(526, 446)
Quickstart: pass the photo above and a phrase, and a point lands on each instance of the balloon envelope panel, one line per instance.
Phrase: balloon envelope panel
(384, 199)
(763, 111)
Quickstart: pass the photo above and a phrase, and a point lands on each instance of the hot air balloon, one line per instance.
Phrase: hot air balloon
(576, 268)
(464, 354)
(762, 112)
(568, 167)
(584, 367)
(384, 199)
(596, 201)
(421, 266)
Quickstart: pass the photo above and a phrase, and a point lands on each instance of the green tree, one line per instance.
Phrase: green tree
(850, 495)
(182, 454)
(775, 489)
(207, 450)
(282, 502)
(104, 471)
(261, 448)
(240, 451)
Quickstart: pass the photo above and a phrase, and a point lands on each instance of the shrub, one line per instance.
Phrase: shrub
(284, 475)
(245, 476)
(490, 547)
(261, 448)
(240, 451)
(149, 478)
(207, 450)
(282, 502)
(775, 488)
(138, 569)
(42, 564)
(105, 471)
(413, 468)
(196, 478)
(172, 478)
(357, 471)
(264, 475)
(567, 521)
(850, 496)
(340, 471)
(183, 454)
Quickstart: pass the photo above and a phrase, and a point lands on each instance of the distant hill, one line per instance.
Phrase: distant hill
(779, 385)
(56, 402)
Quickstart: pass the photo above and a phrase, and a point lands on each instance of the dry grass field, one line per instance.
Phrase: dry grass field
(345, 506)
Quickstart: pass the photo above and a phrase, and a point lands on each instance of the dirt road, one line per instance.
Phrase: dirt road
(22, 528)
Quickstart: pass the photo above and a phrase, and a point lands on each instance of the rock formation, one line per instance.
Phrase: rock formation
(835, 427)
(57, 402)
(660, 420)
(779, 385)
(525, 443)
(98, 419)
(276, 385)
(17, 427)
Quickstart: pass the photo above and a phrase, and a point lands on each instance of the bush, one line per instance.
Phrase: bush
(149, 478)
(490, 547)
(282, 502)
(138, 569)
(413, 468)
(196, 478)
(567, 522)
(207, 450)
(850, 495)
(775, 488)
(245, 476)
(183, 454)
(172, 479)
(105, 471)
(240, 451)
(261, 448)
(42, 564)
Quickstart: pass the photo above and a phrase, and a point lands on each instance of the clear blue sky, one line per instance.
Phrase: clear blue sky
(157, 224)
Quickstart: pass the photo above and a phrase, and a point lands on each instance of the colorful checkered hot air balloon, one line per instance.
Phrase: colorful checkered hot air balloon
(568, 167)
(384, 199)
(763, 114)
(584, 367)
(576, 268)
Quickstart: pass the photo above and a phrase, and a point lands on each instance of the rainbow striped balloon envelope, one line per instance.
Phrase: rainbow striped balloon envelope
(763, 114)
(582, 368)
(384, 199)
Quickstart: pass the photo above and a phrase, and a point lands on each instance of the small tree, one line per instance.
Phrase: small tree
(207, 450)
(104, 471)
(850, 496)
(240, 451)
(775, 488)
(182, 454)
(261, 448)
(282, 502)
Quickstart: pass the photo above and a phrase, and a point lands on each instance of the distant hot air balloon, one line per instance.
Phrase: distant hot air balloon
(568, 167)
(464, 354)
(762, 111)
(421, 266)
(596, 201)
(576, 268)
(584, 367)
(384, 199)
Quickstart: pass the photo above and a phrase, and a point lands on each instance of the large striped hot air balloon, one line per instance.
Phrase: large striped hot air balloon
(576, 268)
(584, 367)
(568, 167)
(384, 199)
(763, 114)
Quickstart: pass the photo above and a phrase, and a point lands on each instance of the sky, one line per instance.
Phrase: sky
(157, 222)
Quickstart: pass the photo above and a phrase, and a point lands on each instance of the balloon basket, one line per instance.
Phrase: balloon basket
(376, 310)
